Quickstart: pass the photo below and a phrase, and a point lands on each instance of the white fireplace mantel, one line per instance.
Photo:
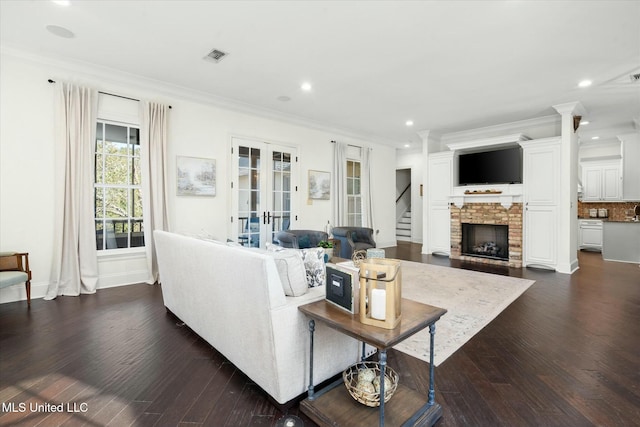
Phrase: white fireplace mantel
(505, 194)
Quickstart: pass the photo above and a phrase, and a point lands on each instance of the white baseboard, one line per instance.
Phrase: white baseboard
(18, 292)
(39, 290)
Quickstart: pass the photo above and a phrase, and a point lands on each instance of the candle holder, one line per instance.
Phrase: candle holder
(380, 292)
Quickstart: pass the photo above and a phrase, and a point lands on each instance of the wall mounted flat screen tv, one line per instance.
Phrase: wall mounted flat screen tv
(502, 166)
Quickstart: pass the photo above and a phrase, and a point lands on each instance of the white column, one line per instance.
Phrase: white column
(567, 242)
(424, 135)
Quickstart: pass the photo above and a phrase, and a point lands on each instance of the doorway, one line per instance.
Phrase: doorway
(403, 205)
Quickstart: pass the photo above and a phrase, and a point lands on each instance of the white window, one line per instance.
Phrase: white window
(354, 197)
(118, 198)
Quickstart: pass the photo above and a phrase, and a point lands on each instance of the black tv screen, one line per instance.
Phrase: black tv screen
(491, 167)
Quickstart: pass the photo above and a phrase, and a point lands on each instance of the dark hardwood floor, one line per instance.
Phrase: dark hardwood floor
(566, 353)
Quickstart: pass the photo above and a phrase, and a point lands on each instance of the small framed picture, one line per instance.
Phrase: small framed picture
(319, 185)
(195, 176)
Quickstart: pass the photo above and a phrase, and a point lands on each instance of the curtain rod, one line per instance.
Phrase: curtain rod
(350, 145)
(110, 94)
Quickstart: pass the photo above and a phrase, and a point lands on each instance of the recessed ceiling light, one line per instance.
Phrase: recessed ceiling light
(284, 98)
(407, 145)
(60, 31)
(306, 86)
(585, 83)
(584, 122)
(595, 137)
(409, 123)
(62, 2)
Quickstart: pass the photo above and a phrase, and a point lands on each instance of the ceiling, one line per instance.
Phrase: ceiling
(447, 65)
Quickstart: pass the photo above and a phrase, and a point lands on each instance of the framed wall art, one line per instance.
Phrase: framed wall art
(319, 185)
(195, 176)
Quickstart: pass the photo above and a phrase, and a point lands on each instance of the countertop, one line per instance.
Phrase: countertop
(612, 220)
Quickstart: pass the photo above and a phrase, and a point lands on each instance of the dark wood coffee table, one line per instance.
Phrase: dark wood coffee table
(334, 406)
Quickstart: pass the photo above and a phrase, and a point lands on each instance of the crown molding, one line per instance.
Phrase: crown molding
(106, 75)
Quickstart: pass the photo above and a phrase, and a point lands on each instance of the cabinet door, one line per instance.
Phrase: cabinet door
(611, 183)
(440, 180)
(591, 183)
(540, 235)
(440, 229)
(591, 237)
(541, 175)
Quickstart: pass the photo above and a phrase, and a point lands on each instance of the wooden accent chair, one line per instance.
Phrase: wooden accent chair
(14, 269)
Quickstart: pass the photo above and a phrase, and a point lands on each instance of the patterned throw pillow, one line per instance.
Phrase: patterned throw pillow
(314, 265)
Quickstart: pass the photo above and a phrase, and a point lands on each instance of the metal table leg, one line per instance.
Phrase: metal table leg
(432, 391)
(383, 366)
(310, 390)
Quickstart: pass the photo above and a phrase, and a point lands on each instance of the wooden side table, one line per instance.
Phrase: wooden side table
(334, 406)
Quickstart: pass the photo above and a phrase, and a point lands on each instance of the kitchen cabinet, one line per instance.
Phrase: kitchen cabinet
(602, 181)
(590, 234)
(630, 166)
(440, 175)
(541, 161)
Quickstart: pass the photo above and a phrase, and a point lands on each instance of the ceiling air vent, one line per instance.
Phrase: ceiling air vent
(635, 77)
(215, 55)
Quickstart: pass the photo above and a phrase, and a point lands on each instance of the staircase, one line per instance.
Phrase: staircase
(403, 227)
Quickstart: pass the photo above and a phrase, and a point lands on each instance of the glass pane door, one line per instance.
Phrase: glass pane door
(262, 194)
(280, 192)
(249, 201)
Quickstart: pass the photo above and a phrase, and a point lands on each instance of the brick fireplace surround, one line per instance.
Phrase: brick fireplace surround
(488, 213)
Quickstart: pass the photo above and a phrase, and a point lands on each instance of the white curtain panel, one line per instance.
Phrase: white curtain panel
(75, 265)
(367, 193)
(340, 184)
(153, 153)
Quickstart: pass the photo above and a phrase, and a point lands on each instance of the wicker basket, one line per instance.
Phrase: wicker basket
(350, 377)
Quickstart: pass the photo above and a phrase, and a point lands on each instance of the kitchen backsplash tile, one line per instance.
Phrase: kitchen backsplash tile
(616, 210)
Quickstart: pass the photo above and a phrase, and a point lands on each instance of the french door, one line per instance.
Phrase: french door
(262, 190)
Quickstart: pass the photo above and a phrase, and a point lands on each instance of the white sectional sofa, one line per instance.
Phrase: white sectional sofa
(233, 298)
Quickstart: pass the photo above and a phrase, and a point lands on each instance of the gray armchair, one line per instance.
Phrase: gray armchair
(300, 239)
(353, 239)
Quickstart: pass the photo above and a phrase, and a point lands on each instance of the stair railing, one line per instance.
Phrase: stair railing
(403, 191)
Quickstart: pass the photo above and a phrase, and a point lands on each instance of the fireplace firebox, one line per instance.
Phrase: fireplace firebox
(485, 241)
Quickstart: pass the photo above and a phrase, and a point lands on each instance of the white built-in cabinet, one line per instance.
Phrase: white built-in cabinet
(541, 195)
(631, 166)
(440, 176)
(601, 180)
(590, 234)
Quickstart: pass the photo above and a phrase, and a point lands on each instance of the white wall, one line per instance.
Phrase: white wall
(196, 128)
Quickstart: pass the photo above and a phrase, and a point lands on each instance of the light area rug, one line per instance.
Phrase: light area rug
(472, 300)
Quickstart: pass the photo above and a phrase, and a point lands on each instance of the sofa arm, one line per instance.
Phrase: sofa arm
(363, 235)
(287, 240)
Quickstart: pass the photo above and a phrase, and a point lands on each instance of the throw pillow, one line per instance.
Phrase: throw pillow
(291, 269)
(313, 259)
(314, 265)
(275, 248)
(292, 272)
